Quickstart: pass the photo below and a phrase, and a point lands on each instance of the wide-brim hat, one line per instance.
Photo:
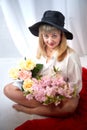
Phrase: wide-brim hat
(53, 18)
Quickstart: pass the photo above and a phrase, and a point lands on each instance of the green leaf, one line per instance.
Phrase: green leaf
(54, 69)
(36, 70)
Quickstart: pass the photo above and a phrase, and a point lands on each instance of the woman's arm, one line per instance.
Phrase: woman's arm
(74, 72)
(67, 108)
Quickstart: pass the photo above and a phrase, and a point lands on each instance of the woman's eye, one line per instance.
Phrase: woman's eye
(46, 36)
(54, 35)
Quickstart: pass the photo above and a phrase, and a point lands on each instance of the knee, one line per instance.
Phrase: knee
(6, 90)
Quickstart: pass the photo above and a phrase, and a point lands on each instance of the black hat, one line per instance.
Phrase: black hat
(53, 18)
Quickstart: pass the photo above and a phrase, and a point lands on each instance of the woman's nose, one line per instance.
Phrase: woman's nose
(50, 39)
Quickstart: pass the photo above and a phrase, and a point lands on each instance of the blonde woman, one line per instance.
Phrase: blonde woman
(52, 51)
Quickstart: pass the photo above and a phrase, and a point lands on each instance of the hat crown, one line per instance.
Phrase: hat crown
(55, 17)
(52, 18)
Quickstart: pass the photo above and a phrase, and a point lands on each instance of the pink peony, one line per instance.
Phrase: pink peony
(23, 74)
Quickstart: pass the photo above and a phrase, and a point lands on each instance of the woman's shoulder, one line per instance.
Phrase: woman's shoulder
(73, 55)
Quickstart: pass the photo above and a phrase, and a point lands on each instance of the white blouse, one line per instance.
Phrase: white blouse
(70, 67)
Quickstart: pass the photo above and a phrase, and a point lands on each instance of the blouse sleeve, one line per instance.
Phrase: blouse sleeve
(74, 72)
(18, 84)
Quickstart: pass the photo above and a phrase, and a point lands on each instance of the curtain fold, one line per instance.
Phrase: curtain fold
(77, 20)
(17, 26)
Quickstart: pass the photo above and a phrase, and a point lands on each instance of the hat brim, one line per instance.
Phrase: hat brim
(34, 29)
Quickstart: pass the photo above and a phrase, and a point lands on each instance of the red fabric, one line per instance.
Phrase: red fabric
(78, 121)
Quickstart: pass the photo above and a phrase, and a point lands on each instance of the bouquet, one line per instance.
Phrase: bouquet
(45, 89)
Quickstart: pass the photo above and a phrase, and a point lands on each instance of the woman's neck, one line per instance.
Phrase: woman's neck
(49, 52)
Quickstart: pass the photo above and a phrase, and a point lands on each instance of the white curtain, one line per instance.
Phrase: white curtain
(16, 22)
(77, 19)
(19, 14)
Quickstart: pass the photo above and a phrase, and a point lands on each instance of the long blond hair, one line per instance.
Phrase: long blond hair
(62, 47)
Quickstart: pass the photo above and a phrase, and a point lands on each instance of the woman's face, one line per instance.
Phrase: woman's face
(52, 39)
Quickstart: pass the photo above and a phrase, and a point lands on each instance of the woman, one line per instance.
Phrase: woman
(52, 51)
